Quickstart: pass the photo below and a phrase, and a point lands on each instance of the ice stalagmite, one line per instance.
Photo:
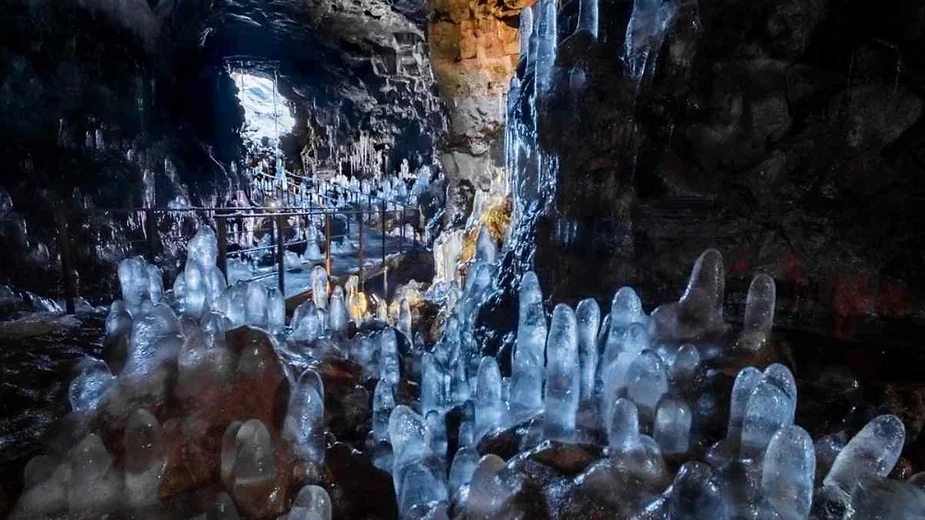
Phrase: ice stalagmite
(759, 315)
(304, 423)
(307, 323)
(485, 248)
(768, 410)
(672, 426)
(133, 277)
(229, 443)
(625, 309)
(383, 404)
(145, 459)
(588, 17)
(526, 29)
(155, 284)
(90, 387)
(407, 434)
(562, 374)
(195, 291)
(700, 309)
(276, 310)
(436, 437)
(788, 471)
(203, 247)
(872, 452)
(782, 378)
(588, 314)
(233, 303)
(118, 320)
(526, 397)
(421, 489)
(696, 494)
(619, 356)
(488, 405)
(314, 499)
(253, 465)
(488, 488)
(94, 486)
(433, 385)
(320, 287)
(623, 430)
(388, 357)
(256, 304)
(338, 317)
(646, 382)
(745, 383)
(464, 463)
(685, 368)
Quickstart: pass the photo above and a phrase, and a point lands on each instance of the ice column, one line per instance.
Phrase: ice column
(546, 49)
(526, 29)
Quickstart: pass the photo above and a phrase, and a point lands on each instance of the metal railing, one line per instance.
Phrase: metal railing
(151, 243)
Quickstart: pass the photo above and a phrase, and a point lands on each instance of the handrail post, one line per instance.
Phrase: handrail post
(362, 270)
(67, 275)
(280, 255)
(221, 225)
(385, 287)
(327, 243)
(151, 232)
(401, 222)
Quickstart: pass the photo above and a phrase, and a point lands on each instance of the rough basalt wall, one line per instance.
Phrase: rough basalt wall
(787, 134)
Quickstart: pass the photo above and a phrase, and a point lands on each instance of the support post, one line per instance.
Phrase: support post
(151, 234)
(221, 225)
(385, 287)
(327, 243)
(362, 253)
(67, 273)
(280, 254)
(401, 222)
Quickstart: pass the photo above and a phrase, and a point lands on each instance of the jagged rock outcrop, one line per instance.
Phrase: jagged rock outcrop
(474, 47)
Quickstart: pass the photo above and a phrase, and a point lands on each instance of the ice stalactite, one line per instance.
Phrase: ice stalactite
(588, 15)
(645, 33)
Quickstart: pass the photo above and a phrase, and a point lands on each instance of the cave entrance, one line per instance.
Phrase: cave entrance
(267, 117)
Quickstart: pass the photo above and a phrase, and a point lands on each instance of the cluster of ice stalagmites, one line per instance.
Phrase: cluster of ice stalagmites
(603, 413)
(640, 386)
(148, 424)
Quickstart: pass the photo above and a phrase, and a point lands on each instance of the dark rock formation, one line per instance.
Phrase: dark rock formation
(788, 135)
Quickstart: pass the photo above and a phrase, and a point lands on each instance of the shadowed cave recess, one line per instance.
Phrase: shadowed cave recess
(370, 259)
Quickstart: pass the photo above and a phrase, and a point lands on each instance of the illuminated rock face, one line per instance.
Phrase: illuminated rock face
(473, 50)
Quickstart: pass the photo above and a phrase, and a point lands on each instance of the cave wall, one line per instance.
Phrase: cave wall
(94, 101)
(787, 134)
